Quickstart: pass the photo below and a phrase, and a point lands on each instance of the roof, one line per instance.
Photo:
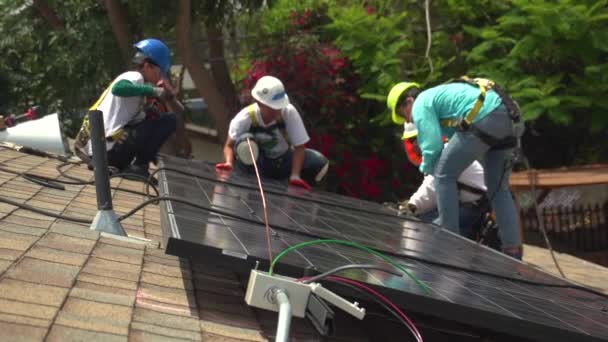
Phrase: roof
(60, 281)
(576, 270)
(580, 175)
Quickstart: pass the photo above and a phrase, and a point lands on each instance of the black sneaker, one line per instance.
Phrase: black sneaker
(137, 173)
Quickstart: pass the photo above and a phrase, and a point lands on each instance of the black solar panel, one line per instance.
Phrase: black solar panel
(467, 281)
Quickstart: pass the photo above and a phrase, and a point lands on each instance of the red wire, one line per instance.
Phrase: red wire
(382, 298)
(257, 174)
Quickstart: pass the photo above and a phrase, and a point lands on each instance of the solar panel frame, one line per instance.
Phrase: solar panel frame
(496, 304)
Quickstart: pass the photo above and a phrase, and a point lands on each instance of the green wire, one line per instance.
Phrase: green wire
(422, 285)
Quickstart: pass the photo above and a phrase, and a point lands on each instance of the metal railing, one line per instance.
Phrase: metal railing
(578, 230)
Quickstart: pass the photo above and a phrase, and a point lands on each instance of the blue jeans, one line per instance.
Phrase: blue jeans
(280, 168)
(464, 148)
(469, 216)
(143, 142)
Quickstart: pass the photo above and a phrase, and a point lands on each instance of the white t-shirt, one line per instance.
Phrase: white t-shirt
(274, 144)
(425, 198)
(118, 111)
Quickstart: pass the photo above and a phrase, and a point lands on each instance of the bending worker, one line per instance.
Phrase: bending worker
(277, 135)
(482, 123)
(471, 188)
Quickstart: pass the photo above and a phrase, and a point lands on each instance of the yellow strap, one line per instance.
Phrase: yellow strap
(85, 121)
(484, 85)
(254, 121)
(477, 106)
(252, 112)
(451, 123)
(102, 97)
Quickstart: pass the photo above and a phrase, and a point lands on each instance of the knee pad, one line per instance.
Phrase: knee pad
(315, 168)
(319, 176)
(244, 155)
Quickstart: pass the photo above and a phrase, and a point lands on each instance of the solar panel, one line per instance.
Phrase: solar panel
(468, 283)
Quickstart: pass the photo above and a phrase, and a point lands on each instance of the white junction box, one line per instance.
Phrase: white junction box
(261, 285)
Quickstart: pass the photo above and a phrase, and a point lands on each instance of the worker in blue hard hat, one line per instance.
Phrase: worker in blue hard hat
(277, 136)
(135, 131)
(483, 123)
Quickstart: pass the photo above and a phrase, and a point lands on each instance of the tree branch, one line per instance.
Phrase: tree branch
(122, 34)
(42, 6)
(201, 78)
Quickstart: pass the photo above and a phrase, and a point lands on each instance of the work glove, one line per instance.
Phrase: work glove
(223, 167)
(297, 181)
(164, 90)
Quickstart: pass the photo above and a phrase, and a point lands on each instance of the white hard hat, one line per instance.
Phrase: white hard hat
(271, 92)
(409, 130)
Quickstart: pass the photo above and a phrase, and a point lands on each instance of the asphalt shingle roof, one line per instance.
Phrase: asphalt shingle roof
(60, 281)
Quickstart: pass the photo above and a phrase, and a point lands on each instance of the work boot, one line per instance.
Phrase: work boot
(516, 252)
(138, 173)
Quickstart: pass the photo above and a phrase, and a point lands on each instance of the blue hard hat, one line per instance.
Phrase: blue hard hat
(157, 52)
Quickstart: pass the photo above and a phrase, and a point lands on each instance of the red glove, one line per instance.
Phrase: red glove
(297, 181)
(223, 167)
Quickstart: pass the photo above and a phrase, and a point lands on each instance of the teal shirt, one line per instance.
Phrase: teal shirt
(453, 100)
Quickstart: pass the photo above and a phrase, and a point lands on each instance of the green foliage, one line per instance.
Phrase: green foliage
(552, 56)
(374, 44)
(62, 70)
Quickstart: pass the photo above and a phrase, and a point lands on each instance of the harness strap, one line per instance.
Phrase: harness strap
(466, 123)
(256, 128)
(493, 142)
(480, 99)
(469, 188)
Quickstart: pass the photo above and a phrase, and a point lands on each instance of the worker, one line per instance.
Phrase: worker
(135, 131)
(482, 123)
(471, 186)
(274, 128)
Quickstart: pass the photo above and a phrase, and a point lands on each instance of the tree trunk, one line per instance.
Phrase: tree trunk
(42, 6)
(219, 68)
(201, 78)
(118, 21)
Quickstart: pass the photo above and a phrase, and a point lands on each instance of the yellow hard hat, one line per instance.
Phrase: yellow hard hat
(409, 130)
(393, 97)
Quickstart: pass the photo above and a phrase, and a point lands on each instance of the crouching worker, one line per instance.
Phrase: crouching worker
(472, 203)
(277, 135)
(135, 129)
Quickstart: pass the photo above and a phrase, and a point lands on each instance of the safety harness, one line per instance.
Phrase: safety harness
(84, 134)
(256, 128)
(466, 123)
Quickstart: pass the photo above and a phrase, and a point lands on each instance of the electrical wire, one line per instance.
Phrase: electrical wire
(42, 181)
(429, 36)
(257, 174)
(382, 300)
(421, 284)
(55, 183)
(324, 275)
(44, 212)
(78, 181)
(541, 222)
